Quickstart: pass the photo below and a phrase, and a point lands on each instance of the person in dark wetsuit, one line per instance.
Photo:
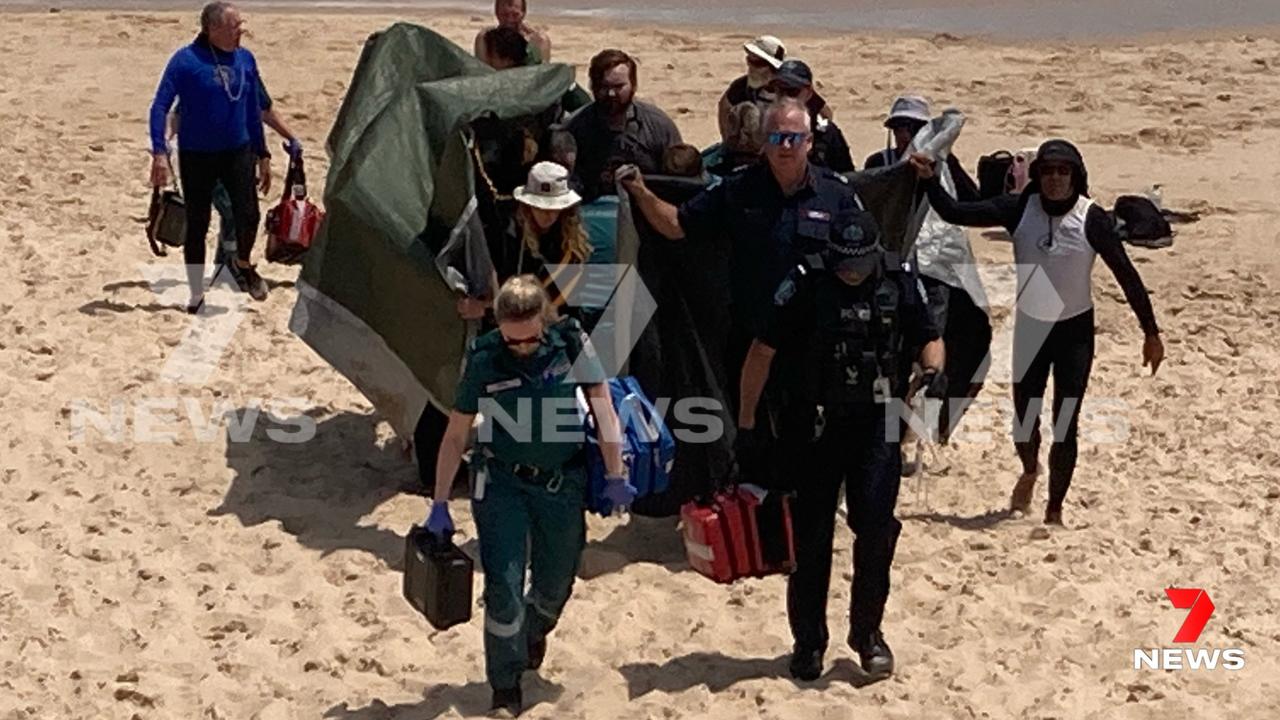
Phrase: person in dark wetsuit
(1057, 232)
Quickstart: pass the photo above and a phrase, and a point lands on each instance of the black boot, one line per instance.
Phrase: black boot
(874, 652)
(509, 702)
(806, 665)
(537, 651)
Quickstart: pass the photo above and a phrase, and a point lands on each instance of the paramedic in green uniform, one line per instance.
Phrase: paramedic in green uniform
(530, 473)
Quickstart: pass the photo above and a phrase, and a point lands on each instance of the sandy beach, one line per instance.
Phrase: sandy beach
(223, 575)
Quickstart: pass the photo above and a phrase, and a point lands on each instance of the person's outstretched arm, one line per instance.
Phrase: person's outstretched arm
(662, 215)
(1101, 233)
(1000, 211)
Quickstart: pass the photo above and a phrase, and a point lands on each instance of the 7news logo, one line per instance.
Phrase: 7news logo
(1196, 601)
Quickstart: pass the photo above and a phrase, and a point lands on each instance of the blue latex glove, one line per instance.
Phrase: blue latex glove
(294, 147)
(618, 491)
(439, 523)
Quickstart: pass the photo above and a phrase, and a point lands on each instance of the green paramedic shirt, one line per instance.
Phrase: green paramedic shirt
(518, 386)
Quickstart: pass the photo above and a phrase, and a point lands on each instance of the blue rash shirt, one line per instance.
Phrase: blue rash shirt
(218, 92)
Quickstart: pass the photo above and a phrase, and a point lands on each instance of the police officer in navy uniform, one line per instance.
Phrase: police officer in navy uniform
(530, 474)
(768, 217)
(850, 324)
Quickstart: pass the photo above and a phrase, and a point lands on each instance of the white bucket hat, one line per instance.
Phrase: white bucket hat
(547, 188)
(767, 48)
(909, 107)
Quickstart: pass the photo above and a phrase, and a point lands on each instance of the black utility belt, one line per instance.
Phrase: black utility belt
(535, 473)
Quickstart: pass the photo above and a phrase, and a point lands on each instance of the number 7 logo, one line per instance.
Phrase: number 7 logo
(1200, 606)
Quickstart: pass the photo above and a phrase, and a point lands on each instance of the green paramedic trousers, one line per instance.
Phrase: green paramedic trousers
(518, 520)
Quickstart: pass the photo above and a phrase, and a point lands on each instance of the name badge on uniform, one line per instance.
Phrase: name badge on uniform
(503, 385)
(819, 215)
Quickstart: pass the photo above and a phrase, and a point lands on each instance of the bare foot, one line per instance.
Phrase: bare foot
(1020, 499)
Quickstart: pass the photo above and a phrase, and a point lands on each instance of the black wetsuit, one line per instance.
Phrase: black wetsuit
(1064, 347)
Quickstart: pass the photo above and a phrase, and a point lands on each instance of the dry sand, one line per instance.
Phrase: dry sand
(214, 579)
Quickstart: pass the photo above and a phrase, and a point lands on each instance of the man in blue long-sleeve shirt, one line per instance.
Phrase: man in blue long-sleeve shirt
(220, 139)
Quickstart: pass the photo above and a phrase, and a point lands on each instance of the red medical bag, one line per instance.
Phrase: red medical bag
(739, 533)
(768, 524)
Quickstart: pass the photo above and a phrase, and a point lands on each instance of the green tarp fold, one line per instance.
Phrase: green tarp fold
(372, 298)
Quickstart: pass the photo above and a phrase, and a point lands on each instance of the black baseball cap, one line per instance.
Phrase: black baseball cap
(794, 74)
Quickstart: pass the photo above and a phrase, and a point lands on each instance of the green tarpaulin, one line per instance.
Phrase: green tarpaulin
(372, 297)
(403, 238)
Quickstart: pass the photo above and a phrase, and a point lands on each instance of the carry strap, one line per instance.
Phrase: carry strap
(294, 175)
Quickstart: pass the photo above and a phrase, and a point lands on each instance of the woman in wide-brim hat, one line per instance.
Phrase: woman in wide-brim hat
(546, 232)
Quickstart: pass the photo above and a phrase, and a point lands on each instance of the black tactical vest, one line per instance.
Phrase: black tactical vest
(859, 340)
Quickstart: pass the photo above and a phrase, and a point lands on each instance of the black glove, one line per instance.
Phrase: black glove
(934, 384)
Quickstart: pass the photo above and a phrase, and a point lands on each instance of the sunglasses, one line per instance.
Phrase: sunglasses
(1060, 170)
(787, 139)
(522, 342)
(756, 62)
(790, 92)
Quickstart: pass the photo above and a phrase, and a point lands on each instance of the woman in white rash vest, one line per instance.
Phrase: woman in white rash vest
(1057, 232)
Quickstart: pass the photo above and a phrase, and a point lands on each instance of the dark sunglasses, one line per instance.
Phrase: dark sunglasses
(1061, 170)
(790, 92)
(787, 139)
(754, 61)
(520, 342)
